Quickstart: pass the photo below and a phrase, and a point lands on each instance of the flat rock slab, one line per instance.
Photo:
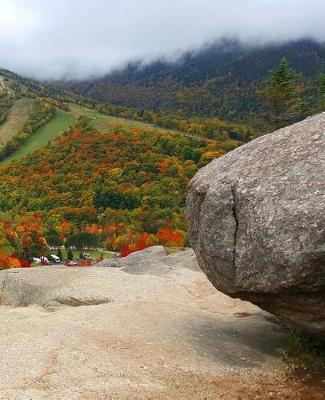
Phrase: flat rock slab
(105, 333)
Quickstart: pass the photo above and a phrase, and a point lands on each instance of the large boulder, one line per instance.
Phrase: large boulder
(257, 223)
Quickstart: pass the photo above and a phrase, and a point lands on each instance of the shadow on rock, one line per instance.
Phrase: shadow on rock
(242, 342)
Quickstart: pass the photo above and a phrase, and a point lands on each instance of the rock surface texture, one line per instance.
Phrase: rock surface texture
(257, 223)
(152, 329)
(152, 253)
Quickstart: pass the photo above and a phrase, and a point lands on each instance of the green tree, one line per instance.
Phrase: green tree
(53, 238)
(70, 254)
(281, 92)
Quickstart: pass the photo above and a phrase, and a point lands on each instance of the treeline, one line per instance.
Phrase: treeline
(55, 102)
(29, 235)
(210, 128)
(43, 114)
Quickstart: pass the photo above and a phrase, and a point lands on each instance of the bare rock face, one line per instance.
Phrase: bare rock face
(152, 329)
(257, 223)
(151, 253)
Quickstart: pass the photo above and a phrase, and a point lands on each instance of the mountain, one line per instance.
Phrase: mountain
(34, 113)
(72, 173)
(104, 174)
(121, 190)
(220, 80)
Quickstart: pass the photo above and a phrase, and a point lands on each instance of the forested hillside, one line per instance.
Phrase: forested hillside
(121, 190)
(33, 113)
(81, 173)
(220, 80)
(96, 174)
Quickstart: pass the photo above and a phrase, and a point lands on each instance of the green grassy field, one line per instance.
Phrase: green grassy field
(44, 135)
(105, 122)
(95, 254)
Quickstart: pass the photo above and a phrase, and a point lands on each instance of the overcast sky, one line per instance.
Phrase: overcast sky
(78, 38)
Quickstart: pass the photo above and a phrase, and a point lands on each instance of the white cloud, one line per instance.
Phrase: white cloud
(53, 38)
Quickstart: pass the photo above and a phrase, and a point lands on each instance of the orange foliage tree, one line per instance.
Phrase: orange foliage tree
(170, 238)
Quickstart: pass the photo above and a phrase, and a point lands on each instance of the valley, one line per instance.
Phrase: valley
(94, 180)
(156, 240)
(111, 176)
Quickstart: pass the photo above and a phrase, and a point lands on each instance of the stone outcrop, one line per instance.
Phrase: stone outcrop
(257, 223)
(155, 328)
(152, 253)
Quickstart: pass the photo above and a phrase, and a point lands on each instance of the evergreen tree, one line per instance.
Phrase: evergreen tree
(281, 92)
(70, 254)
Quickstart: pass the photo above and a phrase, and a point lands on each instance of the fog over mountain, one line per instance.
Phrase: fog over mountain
(77, 39)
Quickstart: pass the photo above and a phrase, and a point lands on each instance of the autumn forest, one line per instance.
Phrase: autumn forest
(85, 169)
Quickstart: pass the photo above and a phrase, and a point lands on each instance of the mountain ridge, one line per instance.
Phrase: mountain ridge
(63, 108)
(219, 80)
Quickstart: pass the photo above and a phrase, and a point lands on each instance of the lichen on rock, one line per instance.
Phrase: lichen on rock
(257, 223)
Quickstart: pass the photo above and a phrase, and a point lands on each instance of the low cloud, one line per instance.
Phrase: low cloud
(49, 39)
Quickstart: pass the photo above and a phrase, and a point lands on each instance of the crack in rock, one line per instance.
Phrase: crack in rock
(236, 218)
